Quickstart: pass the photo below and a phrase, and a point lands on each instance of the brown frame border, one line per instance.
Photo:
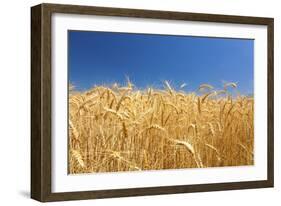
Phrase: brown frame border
(41, 101)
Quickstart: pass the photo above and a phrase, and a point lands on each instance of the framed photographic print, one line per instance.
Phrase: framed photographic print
(130, 102)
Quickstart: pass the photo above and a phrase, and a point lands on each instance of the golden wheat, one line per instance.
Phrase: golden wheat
(124, 129)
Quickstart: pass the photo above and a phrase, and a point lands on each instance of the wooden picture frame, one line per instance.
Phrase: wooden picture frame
(41, 94)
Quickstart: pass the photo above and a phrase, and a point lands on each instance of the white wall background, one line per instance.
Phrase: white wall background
(15, 102)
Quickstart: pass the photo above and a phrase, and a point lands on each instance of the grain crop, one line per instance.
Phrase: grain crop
(122, 128)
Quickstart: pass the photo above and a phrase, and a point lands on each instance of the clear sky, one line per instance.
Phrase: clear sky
(96, 58)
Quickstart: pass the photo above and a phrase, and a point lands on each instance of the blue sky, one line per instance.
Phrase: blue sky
(96, 58)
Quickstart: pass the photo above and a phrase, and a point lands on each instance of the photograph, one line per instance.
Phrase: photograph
(153, 102)
(135, 102)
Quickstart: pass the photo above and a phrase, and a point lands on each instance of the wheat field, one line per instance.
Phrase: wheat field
(114, 128)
